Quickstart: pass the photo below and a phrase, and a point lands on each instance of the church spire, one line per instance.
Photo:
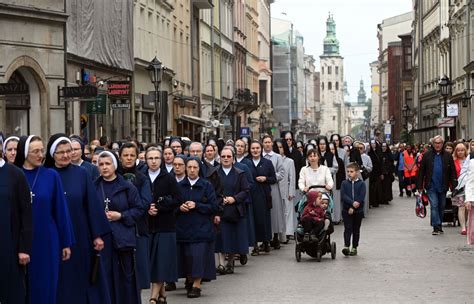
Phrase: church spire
(361, 96)
(331, 44)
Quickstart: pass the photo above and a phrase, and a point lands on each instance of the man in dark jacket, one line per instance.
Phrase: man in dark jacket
(437, 174)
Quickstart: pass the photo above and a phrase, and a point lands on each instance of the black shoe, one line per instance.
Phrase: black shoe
(194, 292)
(401, 194)
(188, 285)
(266, 247)
(440, 230)
(221, 270)
(435, 231)
(255, 252)
(162, 300)
(170, 286)
(275, 244)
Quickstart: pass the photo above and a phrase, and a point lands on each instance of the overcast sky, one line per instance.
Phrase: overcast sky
(356, 29)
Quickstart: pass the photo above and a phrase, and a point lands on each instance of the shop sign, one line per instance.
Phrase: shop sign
(13, 88)
(120, 106)
(118, 88)
(80, 91)
(452, 110)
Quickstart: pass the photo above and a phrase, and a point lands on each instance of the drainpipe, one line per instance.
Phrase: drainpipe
(213, 93)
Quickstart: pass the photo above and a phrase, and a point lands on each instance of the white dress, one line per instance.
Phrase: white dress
(367, 162)
(287, 188)
(277, 213)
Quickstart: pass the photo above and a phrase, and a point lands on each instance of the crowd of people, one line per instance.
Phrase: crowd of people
(98, 222)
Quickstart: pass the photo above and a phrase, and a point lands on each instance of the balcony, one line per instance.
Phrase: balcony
(203, 4)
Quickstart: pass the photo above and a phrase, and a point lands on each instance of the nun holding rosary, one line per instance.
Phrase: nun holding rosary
(123, 208)
(15, 232)
(76, 284)
(52, 229)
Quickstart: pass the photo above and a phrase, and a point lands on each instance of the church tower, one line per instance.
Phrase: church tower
(333, 118)
(361, 96)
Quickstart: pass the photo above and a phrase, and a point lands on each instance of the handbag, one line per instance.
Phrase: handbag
(365, 174)
(231, 213)
(95, 268)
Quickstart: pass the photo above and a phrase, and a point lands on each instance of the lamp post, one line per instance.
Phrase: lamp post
(444, 85)
(155, 70)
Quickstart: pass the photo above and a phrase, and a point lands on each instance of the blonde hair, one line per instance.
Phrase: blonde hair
(456, 150)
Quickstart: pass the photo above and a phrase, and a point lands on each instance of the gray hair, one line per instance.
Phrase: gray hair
(437, 137)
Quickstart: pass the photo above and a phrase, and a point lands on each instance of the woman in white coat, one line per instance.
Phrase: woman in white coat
(315, 174)
(277, 212)
(469, 200)
(287, 189)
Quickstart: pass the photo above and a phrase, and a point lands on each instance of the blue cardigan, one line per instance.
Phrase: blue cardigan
(126, 200)
(197, 225)
(352, 191)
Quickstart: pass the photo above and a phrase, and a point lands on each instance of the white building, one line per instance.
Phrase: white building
(332, 89)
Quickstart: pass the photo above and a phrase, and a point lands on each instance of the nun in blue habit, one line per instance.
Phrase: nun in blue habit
(53, 234)
(90, 225)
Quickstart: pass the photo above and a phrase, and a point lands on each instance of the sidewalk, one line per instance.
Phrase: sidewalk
(399, 261)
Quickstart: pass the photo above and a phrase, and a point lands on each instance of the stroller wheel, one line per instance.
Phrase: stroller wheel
(333, 250)
(243, 259)
(319, 254)
(298, 253)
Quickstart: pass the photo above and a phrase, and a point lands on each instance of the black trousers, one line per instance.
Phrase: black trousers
(352, 228)
(312, 226)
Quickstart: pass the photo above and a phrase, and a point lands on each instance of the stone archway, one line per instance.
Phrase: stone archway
(39, 92)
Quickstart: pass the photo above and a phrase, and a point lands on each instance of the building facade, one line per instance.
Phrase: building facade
(32, 67)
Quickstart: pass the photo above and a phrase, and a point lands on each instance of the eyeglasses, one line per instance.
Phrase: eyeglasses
(63, 152)
(226, 156)
(37, 151)
(288, 139)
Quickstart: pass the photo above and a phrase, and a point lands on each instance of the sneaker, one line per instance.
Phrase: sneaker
(353, 251)
(435, 232)
(306, 237)
(464, 232)
(346, 251)
(401, 194)
(440, 230)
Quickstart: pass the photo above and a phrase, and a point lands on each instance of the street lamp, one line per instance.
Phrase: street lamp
(444, 85)
(155, 70)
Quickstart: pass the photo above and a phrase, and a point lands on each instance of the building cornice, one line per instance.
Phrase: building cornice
(32, 13)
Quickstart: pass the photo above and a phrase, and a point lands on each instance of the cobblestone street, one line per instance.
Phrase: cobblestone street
(399, 261)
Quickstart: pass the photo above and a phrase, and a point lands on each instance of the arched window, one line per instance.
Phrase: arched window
(329, 85)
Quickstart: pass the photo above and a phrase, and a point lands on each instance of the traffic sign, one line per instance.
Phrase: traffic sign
(388, 128)
(245, 131)
(445, 122)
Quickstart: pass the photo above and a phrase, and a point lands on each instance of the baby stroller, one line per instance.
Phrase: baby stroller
(317, 245)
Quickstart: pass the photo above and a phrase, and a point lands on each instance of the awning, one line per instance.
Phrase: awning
(193, 119)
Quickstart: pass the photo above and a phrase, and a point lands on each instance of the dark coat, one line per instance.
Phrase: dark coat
(348, 188)
(240, 191)
(197, 225)
(425, 172)
(341, 172)
(126, 200)
(209, 172)
(167, 197)
(299, 162)
(143, 185)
